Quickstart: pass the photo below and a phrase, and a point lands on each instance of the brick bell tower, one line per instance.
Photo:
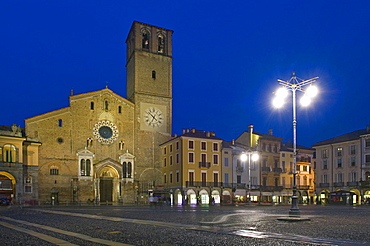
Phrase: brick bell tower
(149, 87)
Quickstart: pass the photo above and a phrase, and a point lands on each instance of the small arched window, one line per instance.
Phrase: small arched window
(92, 105)
(161, 43)
(88, 167)
(60, 122)
(129, 170)
(89, 142)
(124, 169)
(106, 104)
(145, 39)
(120, 145)
(119, 109)
(154, 74)
(83, 167)
(9, 153)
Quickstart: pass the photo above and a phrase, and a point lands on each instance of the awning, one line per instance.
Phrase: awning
(266, 193)
(255, 193)
(287, 193)
(240, 192)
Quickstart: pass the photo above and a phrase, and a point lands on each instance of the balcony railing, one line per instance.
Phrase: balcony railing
(239, 169)
(271, 188)
(204, 164)
(324, 185)
(338, 184)
(277, 170)
(352, 183)
(366, 164)
(7, 164)
(365, 184)
(303, 187)
(203, 184)
(266, 169)
(242, 186)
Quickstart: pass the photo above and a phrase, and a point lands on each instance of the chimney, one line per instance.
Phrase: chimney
(250, 135)
(270, 131)
(193, 130)
(213, 133)
(233, 142)
(208, 134)
(368, 128)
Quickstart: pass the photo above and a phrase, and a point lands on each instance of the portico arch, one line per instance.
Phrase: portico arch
(356, 197)
(8, 185)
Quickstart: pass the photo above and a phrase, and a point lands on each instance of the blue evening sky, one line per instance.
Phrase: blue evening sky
(228, 56)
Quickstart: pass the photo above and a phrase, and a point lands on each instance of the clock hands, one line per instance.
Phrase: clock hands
(152, 116)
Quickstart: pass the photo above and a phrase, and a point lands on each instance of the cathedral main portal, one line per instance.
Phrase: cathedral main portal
(109, 190)
(106, 189)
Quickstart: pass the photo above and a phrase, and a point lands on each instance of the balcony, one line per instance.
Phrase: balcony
(203, 184)
(240, 186)
(303, 187)
(366, 165)
(277, 170)
(239, 169)
(204, 164)
(266, 169)
(271, 188)
(352, 184)
(7, 164)
(338, 184)
(365, 184)
(322, 185)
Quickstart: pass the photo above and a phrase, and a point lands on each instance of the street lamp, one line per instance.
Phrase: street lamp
(250, 156)
(295, 84)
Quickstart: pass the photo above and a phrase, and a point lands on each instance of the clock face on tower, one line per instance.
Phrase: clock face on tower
(153, 117)
(105, 131)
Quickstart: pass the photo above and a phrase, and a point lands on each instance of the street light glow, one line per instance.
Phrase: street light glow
(305, 100)
(282, 92)
(255, 157)
(243, 157)
(312, 91)
(278, 102)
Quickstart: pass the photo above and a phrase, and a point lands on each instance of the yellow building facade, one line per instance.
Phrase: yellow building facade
(191, 167)
(19, 162)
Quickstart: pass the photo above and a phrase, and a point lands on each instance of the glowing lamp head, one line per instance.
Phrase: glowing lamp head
(278, 102)
(255, 157)
(243, 157)
(282, 92)
(305, 100)
(312, 91)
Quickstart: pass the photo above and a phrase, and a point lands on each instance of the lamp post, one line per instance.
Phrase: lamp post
(295, 84)
(250, 156)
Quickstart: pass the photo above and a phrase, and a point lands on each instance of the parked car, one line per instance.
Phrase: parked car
(4, 201)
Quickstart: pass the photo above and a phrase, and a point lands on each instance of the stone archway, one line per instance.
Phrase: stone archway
(323, 197)
(109, 184)
(7, 186)
(203, 197)
(356, 196)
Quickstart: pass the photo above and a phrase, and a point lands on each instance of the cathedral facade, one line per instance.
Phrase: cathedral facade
(104, 147)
